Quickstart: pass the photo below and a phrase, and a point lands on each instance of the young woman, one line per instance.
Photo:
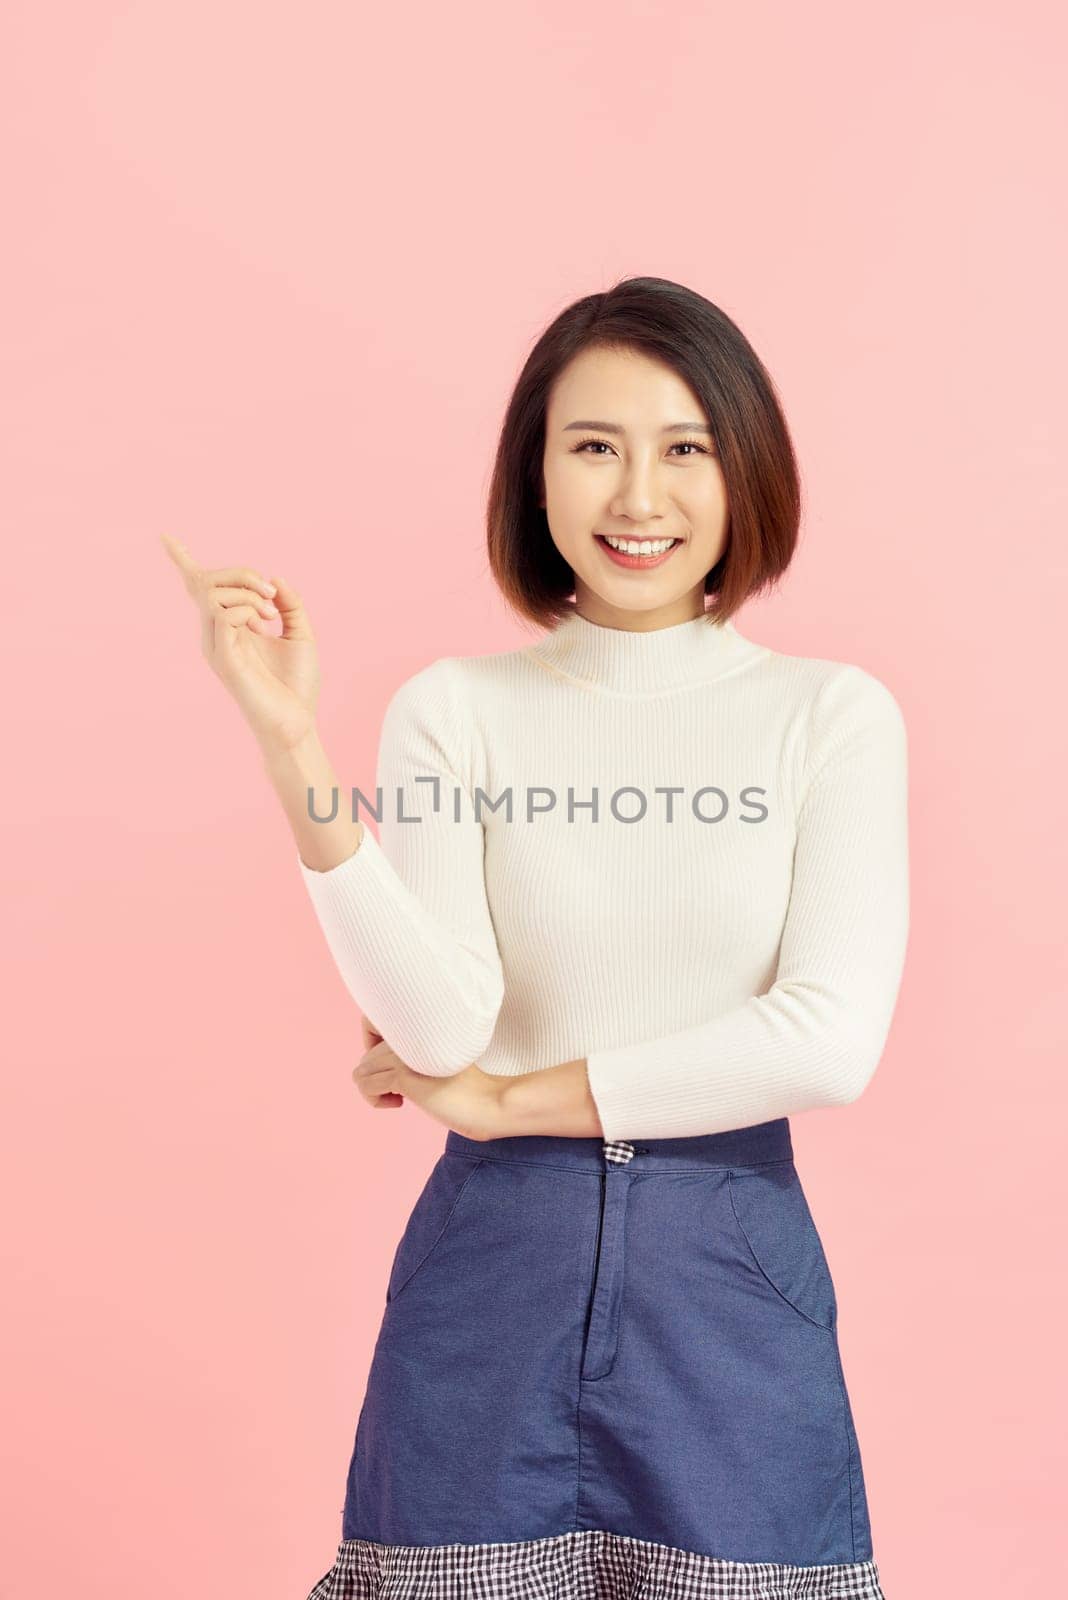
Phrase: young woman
(639, 894)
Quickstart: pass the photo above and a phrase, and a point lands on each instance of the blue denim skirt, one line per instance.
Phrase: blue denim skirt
(607, 1370)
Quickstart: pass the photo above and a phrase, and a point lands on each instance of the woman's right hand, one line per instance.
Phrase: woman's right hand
(273, 678)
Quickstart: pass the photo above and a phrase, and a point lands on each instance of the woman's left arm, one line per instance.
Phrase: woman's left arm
(816, 1036)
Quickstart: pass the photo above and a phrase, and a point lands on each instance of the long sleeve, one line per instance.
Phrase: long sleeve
(406, 916)
(816, 1036)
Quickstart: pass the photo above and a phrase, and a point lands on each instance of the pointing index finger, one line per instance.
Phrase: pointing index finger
(179, 555)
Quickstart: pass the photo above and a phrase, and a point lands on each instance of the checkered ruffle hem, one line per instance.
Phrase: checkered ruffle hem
(586, 1565)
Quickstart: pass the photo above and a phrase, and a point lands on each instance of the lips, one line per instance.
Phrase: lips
(638, 562)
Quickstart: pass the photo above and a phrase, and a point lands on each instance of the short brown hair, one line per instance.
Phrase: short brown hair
(668, 321)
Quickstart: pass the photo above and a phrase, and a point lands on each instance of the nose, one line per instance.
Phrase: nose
(638, 494)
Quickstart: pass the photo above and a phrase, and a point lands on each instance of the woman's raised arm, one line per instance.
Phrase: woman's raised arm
(406, 920)
(406, 916)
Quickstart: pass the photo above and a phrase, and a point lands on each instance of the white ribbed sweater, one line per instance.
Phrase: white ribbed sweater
(715, 973)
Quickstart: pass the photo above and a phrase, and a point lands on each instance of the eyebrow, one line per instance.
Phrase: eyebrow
(614, 427)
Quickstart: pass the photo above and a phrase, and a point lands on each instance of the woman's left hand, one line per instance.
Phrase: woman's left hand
(469, 1102)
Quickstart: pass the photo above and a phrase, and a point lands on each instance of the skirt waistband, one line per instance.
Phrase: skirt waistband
(739, 1147)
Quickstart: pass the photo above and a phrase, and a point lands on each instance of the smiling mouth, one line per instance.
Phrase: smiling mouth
(635, 558)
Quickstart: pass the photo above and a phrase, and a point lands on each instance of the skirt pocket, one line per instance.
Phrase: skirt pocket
(772, 1215)
(430, 1218)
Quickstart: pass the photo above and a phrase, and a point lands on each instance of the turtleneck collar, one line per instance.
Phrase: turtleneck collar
(631, 662)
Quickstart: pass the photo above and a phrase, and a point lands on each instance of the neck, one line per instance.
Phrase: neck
(684, 608)
(641, 660)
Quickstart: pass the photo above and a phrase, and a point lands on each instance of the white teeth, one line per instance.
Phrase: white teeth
(640, 547)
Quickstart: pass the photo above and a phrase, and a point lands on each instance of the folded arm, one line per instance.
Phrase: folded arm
(816, 1036)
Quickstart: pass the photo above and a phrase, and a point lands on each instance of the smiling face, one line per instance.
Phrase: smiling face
(618, 463)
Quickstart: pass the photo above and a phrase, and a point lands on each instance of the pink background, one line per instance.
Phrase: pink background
(270, 274)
